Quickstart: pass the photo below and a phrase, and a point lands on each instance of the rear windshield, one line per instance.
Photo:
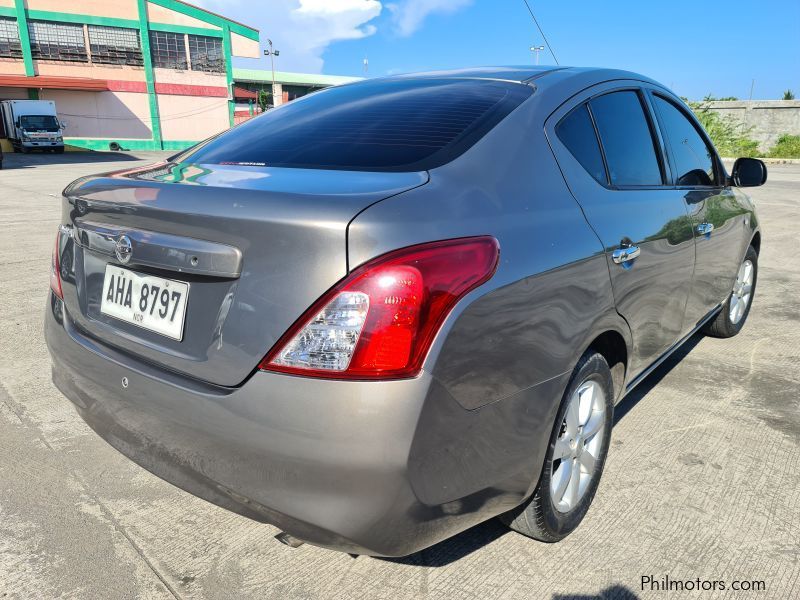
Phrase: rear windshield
(400, 125)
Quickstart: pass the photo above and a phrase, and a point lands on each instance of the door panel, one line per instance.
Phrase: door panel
(716, 214)
(651, 290)
(719, 250)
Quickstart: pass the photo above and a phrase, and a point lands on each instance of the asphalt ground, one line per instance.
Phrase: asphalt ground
(702, 480)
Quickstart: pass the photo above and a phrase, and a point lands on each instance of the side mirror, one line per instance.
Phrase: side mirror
(749, 172)
(63, 124)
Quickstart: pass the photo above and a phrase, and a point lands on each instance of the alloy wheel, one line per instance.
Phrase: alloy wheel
(742, 290)
(578, 446)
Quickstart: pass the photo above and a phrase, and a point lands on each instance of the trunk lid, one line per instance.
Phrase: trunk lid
(256, 245)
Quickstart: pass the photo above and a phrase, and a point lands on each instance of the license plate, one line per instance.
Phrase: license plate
(153, 303)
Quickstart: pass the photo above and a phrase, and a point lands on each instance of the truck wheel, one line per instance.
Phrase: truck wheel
(59, 150)
(575, 457)
(24, 149)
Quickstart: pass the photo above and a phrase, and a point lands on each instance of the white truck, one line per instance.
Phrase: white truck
(32, 125)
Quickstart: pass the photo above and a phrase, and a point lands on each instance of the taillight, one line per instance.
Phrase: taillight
(55, 269)
(379, 322)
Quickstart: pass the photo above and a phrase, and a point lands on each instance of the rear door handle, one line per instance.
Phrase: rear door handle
(626, 254)
(705, 228)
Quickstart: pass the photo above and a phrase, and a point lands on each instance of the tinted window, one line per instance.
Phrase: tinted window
(376, 126)
(626, 139)
(694, 163)
(577, 133)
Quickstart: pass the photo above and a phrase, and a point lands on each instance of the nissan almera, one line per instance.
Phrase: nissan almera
(390, 310)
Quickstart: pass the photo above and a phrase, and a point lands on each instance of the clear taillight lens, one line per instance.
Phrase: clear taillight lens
(379, 322)
(55, 269)
(329, 339)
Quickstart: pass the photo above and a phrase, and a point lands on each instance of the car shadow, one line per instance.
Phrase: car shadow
(455, 548)
(614, 592)
(17, 160)
(625, 405)
(475, 538)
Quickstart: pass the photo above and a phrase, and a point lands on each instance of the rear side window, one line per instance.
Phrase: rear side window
(576, 132)
(694, 162)
(626, 138)
(399, 125)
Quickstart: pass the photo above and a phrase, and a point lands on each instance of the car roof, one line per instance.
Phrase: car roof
(529, 73)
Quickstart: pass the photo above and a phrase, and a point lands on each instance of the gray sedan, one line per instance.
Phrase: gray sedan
(388, 311)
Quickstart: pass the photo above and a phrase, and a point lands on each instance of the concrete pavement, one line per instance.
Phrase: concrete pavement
(702, 480)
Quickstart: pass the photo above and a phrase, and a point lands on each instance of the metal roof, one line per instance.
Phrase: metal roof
(265, 76)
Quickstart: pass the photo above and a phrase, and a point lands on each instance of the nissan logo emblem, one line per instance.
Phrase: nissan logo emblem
(123, 249)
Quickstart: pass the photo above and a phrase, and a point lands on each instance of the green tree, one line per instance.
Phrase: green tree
(264, 100)
(788, 95)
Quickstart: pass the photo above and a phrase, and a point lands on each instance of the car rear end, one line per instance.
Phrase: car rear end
(205, 320)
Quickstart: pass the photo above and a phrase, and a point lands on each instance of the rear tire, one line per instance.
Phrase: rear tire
(733, 315)
(553, 511)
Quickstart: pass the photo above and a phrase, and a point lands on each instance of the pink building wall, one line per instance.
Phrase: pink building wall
(121, 9)
(192, 105)
(9, 93)
(195, 120)
(103, 115)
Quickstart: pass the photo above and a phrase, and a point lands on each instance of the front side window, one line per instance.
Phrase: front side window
(10, 46)
(115, 45)
(57, 41)
(626, 138)
(402, 125)
(206, 54)
(694, 160)
(168, 50)
(576, 132)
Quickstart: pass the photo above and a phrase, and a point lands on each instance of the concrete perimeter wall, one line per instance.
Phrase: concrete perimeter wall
(769, 119)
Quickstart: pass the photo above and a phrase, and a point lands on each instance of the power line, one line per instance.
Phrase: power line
(549, 47)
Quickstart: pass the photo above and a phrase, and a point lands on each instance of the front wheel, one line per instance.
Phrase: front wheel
(733, 315)
(575, 457)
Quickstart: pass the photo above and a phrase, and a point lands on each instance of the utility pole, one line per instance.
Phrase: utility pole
(537, 49)
(752, 85)
(272, 53)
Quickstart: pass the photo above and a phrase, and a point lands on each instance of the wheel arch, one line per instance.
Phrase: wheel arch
(611, 338)
(755, 242)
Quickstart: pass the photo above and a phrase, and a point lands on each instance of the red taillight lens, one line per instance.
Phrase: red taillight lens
(379, 322)
(55, 269)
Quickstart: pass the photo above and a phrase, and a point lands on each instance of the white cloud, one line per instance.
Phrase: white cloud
(408, 16)
(302, 29)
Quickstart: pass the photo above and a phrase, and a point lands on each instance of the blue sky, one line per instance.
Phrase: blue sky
(697, 48)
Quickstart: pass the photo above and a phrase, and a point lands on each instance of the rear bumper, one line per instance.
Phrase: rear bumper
(380, 468)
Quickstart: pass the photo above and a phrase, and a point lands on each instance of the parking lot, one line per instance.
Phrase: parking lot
(702, 480)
